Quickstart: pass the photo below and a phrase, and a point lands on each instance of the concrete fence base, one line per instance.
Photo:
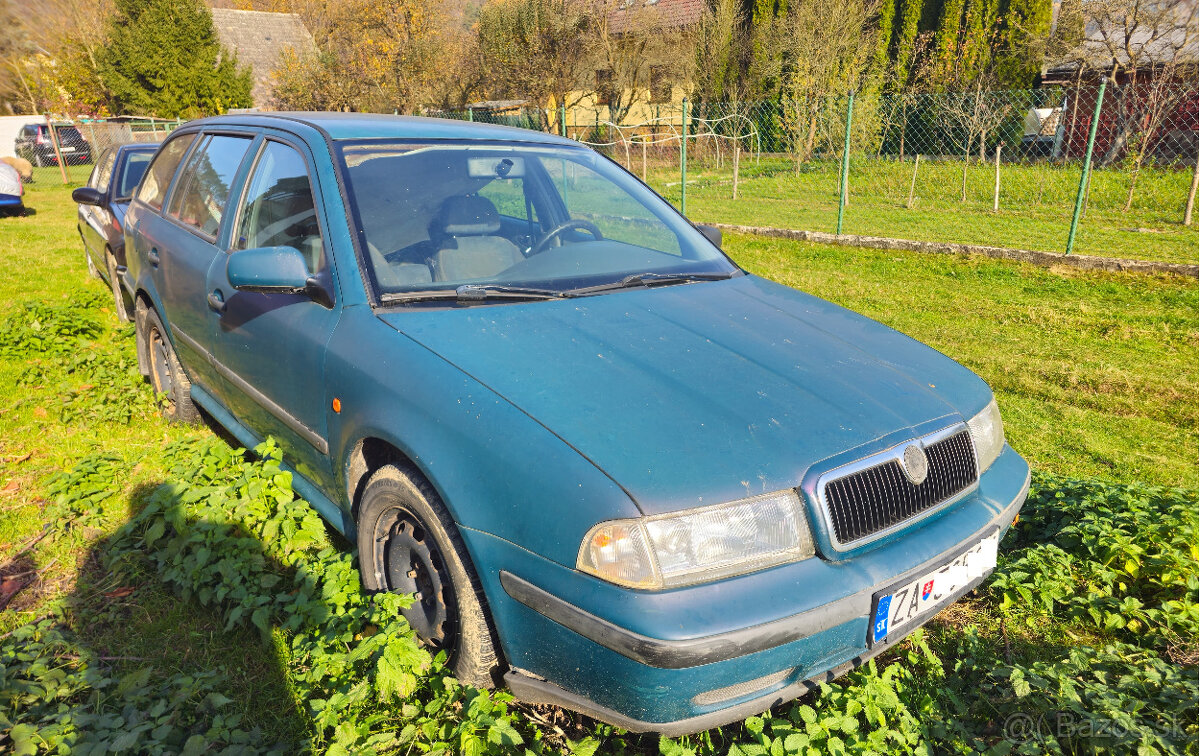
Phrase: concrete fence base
(1044, 259)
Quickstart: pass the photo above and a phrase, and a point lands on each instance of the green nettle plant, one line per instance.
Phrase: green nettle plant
(163, 58)
(1110, 568)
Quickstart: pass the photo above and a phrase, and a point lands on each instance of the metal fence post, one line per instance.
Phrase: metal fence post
(562, 118)
(845, 162)
(1087, 167)
(683, 161)
(62, 167)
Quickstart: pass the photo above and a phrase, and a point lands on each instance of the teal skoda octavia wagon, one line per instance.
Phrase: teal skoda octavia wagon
(619, 473)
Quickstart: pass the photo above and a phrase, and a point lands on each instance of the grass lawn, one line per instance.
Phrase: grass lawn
(1036, 203)
(1096, 375)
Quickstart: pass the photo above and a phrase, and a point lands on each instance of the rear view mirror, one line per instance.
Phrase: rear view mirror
(86, 195)
(268, 269)
(496, 167)
(712, 233)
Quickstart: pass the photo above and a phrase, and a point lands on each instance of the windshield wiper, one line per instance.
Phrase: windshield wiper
(470, 293)
(650, 279)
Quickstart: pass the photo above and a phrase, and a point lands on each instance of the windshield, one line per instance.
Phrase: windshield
(552, 219)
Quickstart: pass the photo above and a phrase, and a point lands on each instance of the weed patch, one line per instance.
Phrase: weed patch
(1117, 558)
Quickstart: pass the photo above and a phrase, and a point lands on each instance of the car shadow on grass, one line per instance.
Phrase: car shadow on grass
(147, 642)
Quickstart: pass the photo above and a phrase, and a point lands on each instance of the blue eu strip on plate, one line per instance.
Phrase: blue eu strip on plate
(882, 612)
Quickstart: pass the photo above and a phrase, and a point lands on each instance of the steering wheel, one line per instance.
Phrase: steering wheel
(562, 227)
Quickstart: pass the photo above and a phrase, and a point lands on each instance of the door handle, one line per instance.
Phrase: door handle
(153, 257)
(216, 301)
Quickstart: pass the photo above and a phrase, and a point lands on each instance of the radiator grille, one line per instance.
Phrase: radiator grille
(879, 497)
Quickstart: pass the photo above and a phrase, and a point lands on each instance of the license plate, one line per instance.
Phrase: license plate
(902, 605)
(67, 149)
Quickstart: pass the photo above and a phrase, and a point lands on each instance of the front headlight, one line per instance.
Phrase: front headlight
(987, 432)
(699, 545)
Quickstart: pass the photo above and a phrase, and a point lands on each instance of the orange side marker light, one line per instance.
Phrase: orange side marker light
(337, 404)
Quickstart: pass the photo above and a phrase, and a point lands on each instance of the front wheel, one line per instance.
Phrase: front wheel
(166, 373)
(407, 543)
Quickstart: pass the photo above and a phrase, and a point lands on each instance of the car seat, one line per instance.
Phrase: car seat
(468, 248)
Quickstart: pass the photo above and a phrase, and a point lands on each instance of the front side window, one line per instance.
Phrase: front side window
(203, 188)
(154, 188)
(437, 217)
(278, 209)
(132, 172)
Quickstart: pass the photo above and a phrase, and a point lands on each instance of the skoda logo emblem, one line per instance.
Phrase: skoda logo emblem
(915, 464)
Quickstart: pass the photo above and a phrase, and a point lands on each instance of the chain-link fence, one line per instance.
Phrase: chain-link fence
(61, 150)
(994, 168)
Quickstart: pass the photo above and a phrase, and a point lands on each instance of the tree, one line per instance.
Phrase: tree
(828, 47)
(53, 67)
(905, 29)
(720, 45)
(1143, 48)
(163, 59)
(1146, 50)
(633, 46)
(374, 56)
(536, 49)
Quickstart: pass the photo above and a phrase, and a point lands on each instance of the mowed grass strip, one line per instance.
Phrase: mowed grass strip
(1036, 203)
(1095, 373)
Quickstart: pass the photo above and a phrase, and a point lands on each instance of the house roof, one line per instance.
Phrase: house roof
(258, 39)
(624, 15)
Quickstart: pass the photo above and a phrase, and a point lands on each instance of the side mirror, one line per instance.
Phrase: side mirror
(86, 195)
(268, 269)
(712, 233)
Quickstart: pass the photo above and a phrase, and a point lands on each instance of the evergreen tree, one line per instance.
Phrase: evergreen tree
(163, 58)
(907, 25)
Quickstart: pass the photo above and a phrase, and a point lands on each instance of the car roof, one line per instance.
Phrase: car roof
(377, 126)
(139, 146)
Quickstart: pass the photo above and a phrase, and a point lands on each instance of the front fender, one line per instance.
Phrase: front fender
(497, 469)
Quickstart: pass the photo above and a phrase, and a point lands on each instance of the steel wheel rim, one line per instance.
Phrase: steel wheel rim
(409, 562)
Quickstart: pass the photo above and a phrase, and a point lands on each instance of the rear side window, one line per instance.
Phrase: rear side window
(154, 189)
(203, 188)
(132, 172)
(102, 173)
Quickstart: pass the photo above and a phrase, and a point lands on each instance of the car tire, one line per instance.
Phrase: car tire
(167, 376)
(114, 283)
(408, 543)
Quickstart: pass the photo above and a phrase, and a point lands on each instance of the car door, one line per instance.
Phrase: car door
(181, 244)
(270, 347)
(94, 220)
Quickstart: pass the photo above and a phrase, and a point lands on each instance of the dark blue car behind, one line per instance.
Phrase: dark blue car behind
(103, 202)
(618, 473)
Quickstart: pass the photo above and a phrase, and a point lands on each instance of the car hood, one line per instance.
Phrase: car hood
(700, 393)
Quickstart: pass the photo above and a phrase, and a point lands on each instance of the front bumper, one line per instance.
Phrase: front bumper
(686, 660)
